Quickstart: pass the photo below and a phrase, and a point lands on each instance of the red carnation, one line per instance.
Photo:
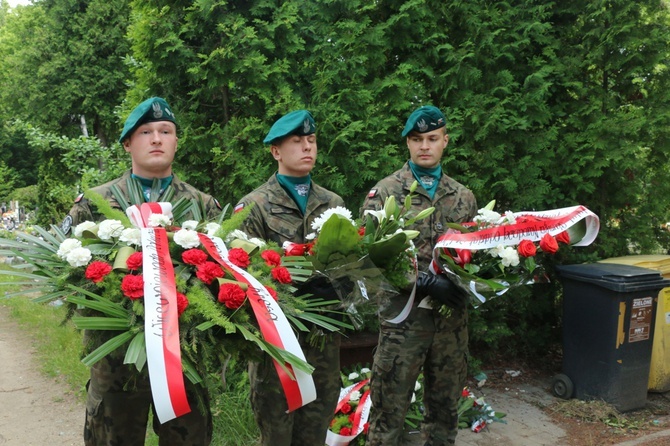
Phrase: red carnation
(134, 261)
(194, 256)
(346, 431)
(366, 426)
(208, 271)
(132, 286)
(97, 271)
(281, 275)
(272, 258)
(548, 244)
(563, 237)
(231, 295)
(239, 257)
(352, 416)
(361, 231)
(272, 292)
(526, 248)
(182, 303)
(295, 249)
(346, 408)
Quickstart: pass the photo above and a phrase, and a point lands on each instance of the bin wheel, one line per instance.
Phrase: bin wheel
(562, 386)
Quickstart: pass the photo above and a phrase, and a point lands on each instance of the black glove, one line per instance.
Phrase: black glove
(318, 287)
(440, 288)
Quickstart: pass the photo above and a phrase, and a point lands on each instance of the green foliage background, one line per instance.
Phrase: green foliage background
(549, 104)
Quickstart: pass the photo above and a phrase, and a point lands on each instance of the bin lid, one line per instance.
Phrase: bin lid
(659, 262)
(614, 276)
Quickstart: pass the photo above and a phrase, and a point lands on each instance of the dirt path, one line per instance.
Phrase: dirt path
(34, 410)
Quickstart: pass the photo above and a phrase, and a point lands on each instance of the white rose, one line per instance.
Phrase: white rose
(109, 229)
(189, 224)
(132, 236)
(79, 257)
(66, 246)
(159, 220)
(186, 238)
(81, 227)
(212, 228)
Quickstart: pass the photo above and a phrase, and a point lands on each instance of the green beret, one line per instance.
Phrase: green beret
(151, 110)
(424, 119)
(299, 122)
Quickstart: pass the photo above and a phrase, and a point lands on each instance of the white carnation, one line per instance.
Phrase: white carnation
(212, 228)
(258, 242)
(109, 229)
(487, 216)
(310, 236)
(81, 227)
(365, 370)
(66, 246)
(186, 238)
(189, 224)
(156, 220)
(78, 257)
(509, 256)
(353, 376)
(132, 236)
(318, 222)
(237, 235)
(355, 395)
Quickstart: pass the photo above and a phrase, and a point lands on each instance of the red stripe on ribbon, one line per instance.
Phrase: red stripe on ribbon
(266, 325)
(171, 347)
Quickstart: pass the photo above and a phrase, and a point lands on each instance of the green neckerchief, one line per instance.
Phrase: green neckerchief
(297, 188)
(428, 178)
(147, 183)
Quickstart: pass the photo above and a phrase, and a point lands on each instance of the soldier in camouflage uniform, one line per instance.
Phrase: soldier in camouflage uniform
(425, 339)
(283, 210)
(119, 397)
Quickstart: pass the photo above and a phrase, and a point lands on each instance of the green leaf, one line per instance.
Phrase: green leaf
(107, 348)
(137, 351)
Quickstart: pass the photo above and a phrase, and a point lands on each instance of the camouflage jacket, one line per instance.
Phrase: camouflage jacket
(276, 217)
(453, 202)
(81, 211)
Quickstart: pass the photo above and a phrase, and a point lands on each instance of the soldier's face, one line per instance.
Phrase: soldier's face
(295, 155)
(152, 147)
(425, 149)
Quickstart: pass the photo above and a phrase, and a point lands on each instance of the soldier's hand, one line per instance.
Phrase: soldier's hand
(440, 288)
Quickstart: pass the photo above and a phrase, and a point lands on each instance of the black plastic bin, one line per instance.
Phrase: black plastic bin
(608, 327)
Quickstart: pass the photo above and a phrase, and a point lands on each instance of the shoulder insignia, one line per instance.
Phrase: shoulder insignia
(79, 197)
(372, 193)
(66, 225)
(238, 208)
(218, 205)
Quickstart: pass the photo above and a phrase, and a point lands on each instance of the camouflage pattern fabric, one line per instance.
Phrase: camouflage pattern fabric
(425, 341)
(81, 211)
(119, 397)
(276, 217)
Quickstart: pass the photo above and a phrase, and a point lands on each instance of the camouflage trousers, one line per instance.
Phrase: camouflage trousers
(306, 426)
(117, 410)
(439, 349)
